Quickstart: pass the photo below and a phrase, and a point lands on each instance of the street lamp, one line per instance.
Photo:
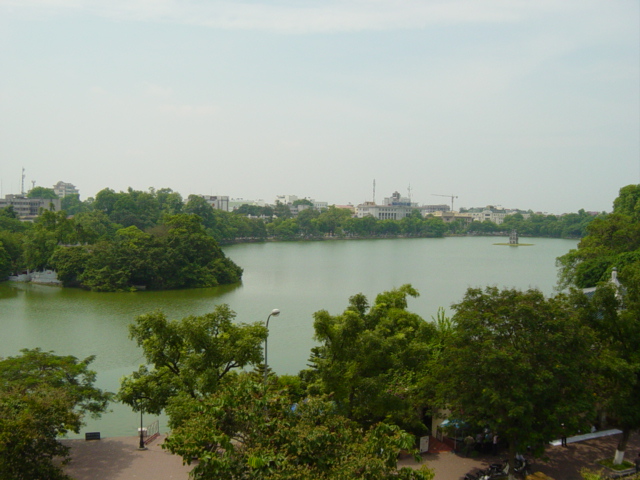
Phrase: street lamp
(141, 429)
(141, 446)
(274, 313)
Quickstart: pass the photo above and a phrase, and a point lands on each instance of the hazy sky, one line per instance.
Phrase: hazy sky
(520, 103)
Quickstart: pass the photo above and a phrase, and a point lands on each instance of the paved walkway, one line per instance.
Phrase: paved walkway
(560, 463)
(119, 459)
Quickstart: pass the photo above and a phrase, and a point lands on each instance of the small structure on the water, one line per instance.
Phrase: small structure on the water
(514, 241)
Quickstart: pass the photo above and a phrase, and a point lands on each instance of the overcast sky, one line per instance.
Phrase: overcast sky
(519, 103)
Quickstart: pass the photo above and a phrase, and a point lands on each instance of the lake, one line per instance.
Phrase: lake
(299, 278)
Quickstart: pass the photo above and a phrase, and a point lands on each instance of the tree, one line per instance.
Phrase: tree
(177, 254)
(284, 229)
(5, 262)
(189, 357)
(518, 362)
(609, 241)
(307, 222)
(12, 243)
(72, 204)
(10, 222)
(486, 226)
(331, 220)
(69, 264)
(243, 431)
(42, 192)
(613, 241)
(282, 210)
(94, 226)
(169, 202)
(370, 357)
(42, 396)
(614, 313)
(199, 206)
(303, 201)
(9, 212)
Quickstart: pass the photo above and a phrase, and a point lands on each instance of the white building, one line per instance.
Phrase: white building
(290, 199)
(448, 217)
(63, 189)
(395, 208)
(236, 203)
(495, 215)
(219, 202)
(29, 208)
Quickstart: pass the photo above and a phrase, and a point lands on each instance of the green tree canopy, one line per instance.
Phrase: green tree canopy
(370, 357)
(519, 363)
(614, 314)
(42, 192)
(610, 242)
(188, 357)
(242, 431)
(178, 255)
(42, 396)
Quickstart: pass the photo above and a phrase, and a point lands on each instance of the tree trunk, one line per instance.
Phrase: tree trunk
(512, 459)
(622, 446)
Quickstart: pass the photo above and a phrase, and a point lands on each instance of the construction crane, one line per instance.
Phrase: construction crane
(450, 196)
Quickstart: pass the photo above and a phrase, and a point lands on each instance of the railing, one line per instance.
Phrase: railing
(152, 432)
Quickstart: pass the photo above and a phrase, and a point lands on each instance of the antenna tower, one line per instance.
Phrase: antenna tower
(22, 184)
(409, 191)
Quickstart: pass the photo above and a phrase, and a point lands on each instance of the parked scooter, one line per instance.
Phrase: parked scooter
(522, 467)
(490, 473)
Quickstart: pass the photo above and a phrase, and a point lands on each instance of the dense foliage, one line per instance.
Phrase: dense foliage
(612, 243)
(244, 431)
(518, 363)
(178, 255)
(42, 396)
(613, 240)
(188, 357)
(370, 357)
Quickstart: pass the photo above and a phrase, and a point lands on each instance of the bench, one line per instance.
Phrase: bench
(92, 436)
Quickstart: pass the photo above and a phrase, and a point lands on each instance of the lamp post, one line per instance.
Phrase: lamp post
(274, 313)
(141, 446)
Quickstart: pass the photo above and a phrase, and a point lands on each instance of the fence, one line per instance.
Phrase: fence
(153, 431)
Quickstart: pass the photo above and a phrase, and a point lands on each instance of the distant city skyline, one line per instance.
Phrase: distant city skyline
(379, 199)
(521, 104)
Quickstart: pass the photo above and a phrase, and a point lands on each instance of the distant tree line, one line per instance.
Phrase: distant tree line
(113, 226)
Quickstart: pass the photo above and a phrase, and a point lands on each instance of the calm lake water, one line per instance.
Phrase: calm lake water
(299, 278)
